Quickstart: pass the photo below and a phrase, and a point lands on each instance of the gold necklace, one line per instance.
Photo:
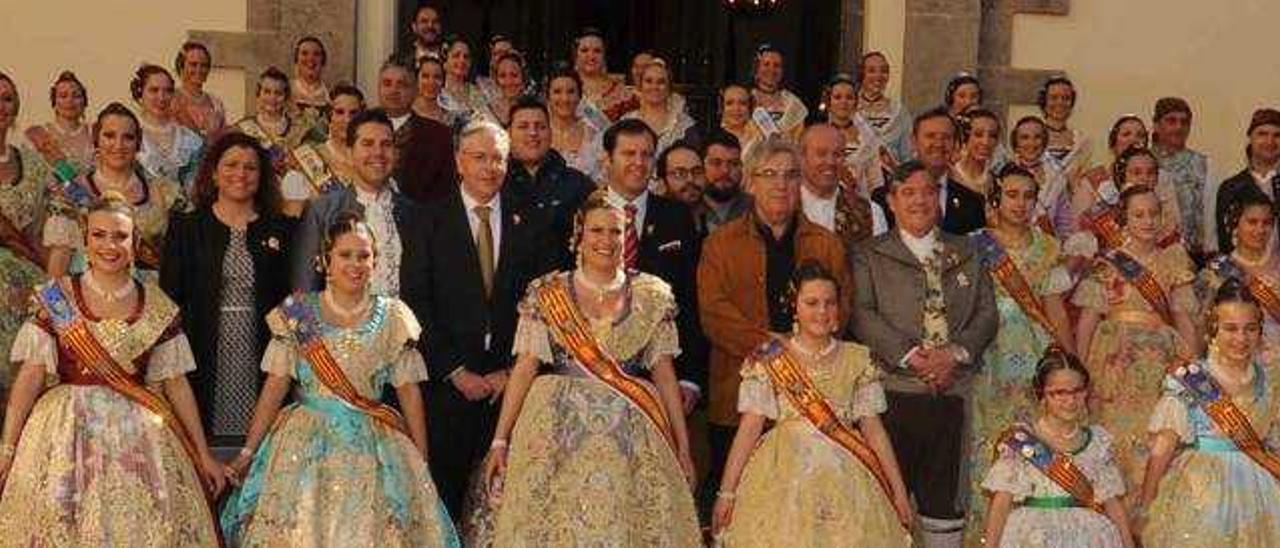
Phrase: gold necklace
(348, 314)
(111, 296)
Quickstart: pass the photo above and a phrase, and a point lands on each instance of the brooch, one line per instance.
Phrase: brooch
(273, 243)
(515, 218)
(648, 230)
(962, 279)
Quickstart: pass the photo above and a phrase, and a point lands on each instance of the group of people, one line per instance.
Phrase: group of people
(489, 312)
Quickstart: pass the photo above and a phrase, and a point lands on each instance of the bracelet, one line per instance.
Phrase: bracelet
(726, 495)
(246, 452)
(498, 443)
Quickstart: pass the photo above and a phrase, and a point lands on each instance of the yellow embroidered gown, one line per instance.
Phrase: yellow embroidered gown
(1213, 494)
(587, 467)
(799, 488)
(1130, 349)
(92, 467)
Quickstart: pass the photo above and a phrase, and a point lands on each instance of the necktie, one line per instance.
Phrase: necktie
(934, 324)
(631, 239)
(484, 248)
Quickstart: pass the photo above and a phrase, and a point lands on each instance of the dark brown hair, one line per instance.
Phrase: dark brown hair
(63, 77)
(205, 191)
(140, 76)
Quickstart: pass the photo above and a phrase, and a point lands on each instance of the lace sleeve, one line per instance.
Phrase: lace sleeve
(1009, 474)
(1108, 482)
(755, 394)
(170, 359)
(281, 356)
(409, 368)
(35, 345)
(1171, 413)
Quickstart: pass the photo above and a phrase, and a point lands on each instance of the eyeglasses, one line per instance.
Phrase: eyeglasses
(1066, 393)
(685, 173)
(777, 175)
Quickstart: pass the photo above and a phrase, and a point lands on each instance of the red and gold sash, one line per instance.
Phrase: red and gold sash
(1261, 289)
(1103, 221)
(52, 153)
(1141, 279)
(569, 327)
(313, 166)
(74, 334)
(305, 323)
(997, 261)
(1055, 466)
(789, 377)
(1225, 414)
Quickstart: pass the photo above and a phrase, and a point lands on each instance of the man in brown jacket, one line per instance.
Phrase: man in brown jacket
(743, 279)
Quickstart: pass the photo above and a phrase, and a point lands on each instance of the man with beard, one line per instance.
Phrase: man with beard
(722, 195)
(681, 177)
(426, 34)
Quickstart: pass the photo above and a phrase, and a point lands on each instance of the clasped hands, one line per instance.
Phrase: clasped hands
(935, 366)
(476, 387)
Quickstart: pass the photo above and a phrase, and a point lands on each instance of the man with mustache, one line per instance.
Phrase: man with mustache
(722, 167)
(926, 308)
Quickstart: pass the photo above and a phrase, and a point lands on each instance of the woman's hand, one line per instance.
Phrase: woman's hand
(495, 467)
(213, 473)
(238, 468)
(721, 514)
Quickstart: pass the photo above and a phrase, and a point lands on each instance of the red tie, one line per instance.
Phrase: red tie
(630, 239)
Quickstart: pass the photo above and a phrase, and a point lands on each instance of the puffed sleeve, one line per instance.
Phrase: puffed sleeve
(1179, 274)
(1089, 294)
(35, 345)
(1171, 412)
(281, 356)
(1058, 279)
(868, 394)
(169, 359)
(1010, 474)
(531, 335)
(665, 342)
(1081, 244)
(61, 231)
(408, 367)
(1108, 482)
(755, 394)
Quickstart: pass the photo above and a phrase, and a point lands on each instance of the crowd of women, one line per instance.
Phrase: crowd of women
(154, 316)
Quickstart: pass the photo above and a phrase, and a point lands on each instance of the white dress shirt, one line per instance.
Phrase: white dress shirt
(398, 121)
(495, 220)
(817, 209)
(378, 213)
(641, 202)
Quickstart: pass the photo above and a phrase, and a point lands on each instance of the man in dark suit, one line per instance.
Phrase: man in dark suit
(467, 264)
(934, 137)
(424, 163)
(1263, 171)
(547, 188)
(925, 307)
(660, 239)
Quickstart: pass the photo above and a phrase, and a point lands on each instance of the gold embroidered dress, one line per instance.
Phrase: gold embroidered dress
(799, 488)
(586, 466)
(22, 203)
(92, 467)
(1131, 347)
(1213, 494)
(327, 474)
(70, 202)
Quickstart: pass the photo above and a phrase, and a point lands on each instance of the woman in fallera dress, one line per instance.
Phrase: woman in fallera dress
(430, 85)
(736, 105)
(23, 176)
(117, 138)
(1027, 141)
(319, 165)
(798, 484)
(461, 96)
(1054, 482)
(275, 128)
(1214, 474)
(886, 115)
(606, 93)
(65, 143)
(509, 84)
(112, 454)
(194, 107)
(1251, 260)
(575, 137)
(861, 144)
(593, 452)
(1068, 148)
(308, 92)
(338, 467)
(1031, 284)
(169, 149)
(1136, 318)
(666, 117)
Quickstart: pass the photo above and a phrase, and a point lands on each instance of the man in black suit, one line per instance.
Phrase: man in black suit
(547, 188)
(660, 239)
(467, 265)
(934, 137)
(424, 159)
(1263, 171)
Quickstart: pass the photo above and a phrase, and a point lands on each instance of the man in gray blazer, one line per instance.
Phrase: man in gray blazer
(925, 307)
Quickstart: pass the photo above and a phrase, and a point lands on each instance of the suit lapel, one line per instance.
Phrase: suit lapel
(511, 222)
(460, 232)
(894, 248)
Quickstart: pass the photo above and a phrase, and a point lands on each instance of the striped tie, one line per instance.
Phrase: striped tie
(631, 239)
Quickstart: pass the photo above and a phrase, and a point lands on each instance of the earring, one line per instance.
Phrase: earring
(795, 328)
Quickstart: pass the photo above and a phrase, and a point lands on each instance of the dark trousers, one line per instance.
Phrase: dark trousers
(719, 441)
(927, 433)
(458, 437)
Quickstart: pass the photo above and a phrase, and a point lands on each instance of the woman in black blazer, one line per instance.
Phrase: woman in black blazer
(225, 264)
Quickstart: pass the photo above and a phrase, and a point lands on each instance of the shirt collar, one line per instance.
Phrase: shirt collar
(621, 201)
(367, 198)
(921, 247)
(471, 203)
(809, 195)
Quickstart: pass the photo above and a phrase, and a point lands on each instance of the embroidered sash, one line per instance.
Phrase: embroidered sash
(52, 153)
(1141, 279)
(1261, 289)
(1055, 466)
(1004, 270)
(1102, 219)
(313, 166)
(569, 327)
(763, 120)
(274, 145)
(790, 378)
(74, 334)
(1224, 413)
(305, 323)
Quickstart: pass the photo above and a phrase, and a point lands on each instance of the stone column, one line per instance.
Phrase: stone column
(941, 39)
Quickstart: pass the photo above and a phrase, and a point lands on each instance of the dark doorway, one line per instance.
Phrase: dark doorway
(706, 42)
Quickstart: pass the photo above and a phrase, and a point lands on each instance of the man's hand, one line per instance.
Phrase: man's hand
(497, 382)
(473, 386)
